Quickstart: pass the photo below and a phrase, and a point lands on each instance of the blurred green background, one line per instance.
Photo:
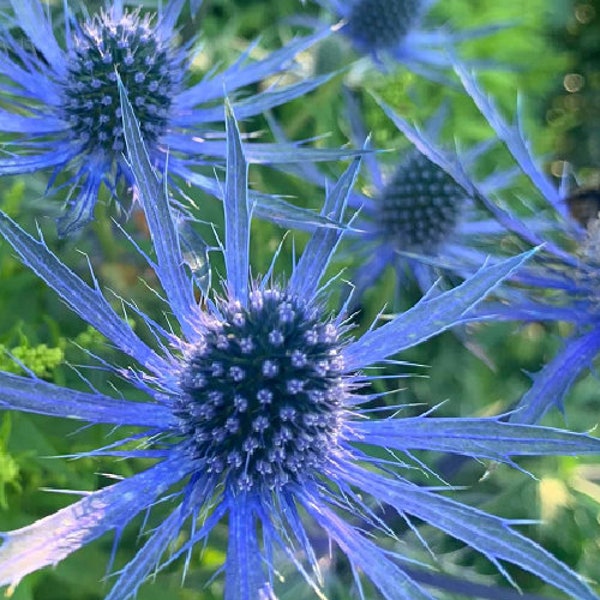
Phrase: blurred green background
(549, 54)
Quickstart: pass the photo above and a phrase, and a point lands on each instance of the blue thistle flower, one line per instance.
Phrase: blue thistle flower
(397, 29)
(61, 106)
(255, 412)
(420, 206)
(382, 24)
(425, 214)
(422, 216)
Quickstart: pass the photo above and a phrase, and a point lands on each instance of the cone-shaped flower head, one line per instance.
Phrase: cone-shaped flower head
(148, 67)
(420, 207)
(61, 106)
(254, 415)
(262, 393)
(399, 31)
(382, 24)
(426, 208)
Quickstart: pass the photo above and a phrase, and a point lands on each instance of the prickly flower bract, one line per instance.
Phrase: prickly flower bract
(256, 414)
(561, 283)
(61, 104)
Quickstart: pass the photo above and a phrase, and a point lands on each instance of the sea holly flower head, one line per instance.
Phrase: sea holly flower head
(419, 217)
(420, 206)
(147, 65)
(397, 31)
(256, 412)
(421, 214)
(61, 105)
(382, 24)
(263, 392)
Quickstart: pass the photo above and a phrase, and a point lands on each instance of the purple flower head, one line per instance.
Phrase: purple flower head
(398, 31)
(381, 24)
(263, 393)
(148, 66)
(421, 215)
(61, 105)
(420, 211)
(255, 412)
(420, 206)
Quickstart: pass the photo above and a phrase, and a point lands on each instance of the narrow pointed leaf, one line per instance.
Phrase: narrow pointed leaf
(455, 584)
(84, 300)
(155, 200)
(262, 153)
(430, 316)
(16, 165)
(241, 75)
(321, 246)
(79, 209)
(237, 213)
(490, 535)
(35, 23)
(483, 438)
(41, 397)
(258, 103)
(392, 582)
(244, 573)
(53, 538)
(290, 153)
(278, 210)
(556, 378)
(264, 101)
(15, 123)
(511, 136)
(146, 560)
(169, 16)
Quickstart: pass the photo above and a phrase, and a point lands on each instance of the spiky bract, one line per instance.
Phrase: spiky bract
(561, 284)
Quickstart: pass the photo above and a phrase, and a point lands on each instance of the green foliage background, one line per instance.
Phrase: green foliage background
(535, 51)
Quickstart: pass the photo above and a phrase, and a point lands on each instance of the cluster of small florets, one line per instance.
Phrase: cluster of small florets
(263, 392)
(382, 24)
(132, 48)
(420, 206)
